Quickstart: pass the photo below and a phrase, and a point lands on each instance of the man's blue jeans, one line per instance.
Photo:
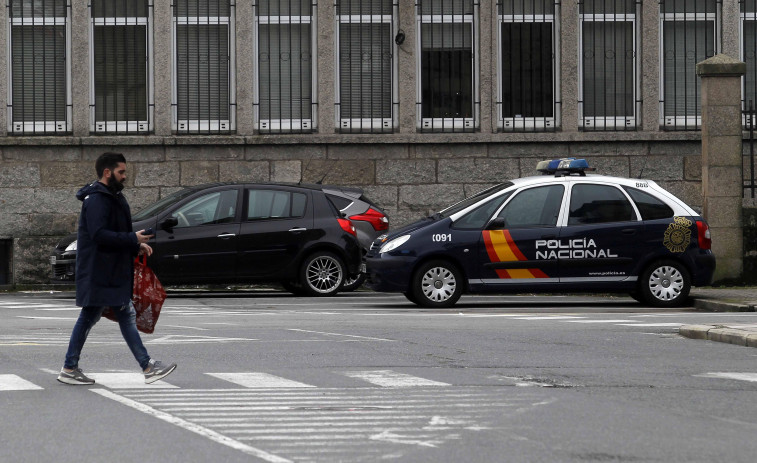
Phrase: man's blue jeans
(126, 320)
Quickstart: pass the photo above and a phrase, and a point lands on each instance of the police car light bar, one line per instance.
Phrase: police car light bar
(565, 166)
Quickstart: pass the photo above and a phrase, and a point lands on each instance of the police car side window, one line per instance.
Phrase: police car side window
(590, 204)
(534, 207)
(650, 207)
(479, 217)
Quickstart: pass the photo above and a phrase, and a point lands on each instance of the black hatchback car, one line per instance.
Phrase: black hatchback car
(229, 233)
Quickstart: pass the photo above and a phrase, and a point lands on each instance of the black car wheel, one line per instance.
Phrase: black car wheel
(665, 283)
(353, 283)
(437, 284)
(322, 274)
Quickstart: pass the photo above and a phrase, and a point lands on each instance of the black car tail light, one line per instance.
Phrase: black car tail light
(347, 226)
(378, 220)
(703, 235)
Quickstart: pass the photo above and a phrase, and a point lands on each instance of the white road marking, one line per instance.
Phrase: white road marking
(127, 381)
(197, 429)
(389, 378)
(549, 317)
(44, 318)
(185, 327)
(16, 383)
(181, 339)
(652, 325)
(751, 377)
(258, 380)
(339, 334)
(599, 321)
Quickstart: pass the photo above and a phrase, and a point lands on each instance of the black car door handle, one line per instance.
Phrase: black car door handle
(297, 230)
(225, 236)
(628, 231)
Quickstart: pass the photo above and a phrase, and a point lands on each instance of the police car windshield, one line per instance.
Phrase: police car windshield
(161, 205)
(472, 200)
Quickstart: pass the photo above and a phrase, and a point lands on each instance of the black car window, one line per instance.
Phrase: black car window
(162, 204)
(650, 207)
(339, 202)
(479, 217)
(534, 207)
(590, 204)
(275, 204)
(211, 208)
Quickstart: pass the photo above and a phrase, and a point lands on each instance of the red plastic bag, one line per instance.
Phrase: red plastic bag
(148, 297)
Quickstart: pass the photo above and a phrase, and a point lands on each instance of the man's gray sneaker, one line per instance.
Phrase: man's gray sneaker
(75, 377)
(158, 370)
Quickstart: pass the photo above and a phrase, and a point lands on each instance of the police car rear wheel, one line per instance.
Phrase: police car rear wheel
(437, 284)
(665, 283)
(322, 274)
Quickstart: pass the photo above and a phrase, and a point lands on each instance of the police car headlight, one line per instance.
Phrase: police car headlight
(72, 246)
(394, 244)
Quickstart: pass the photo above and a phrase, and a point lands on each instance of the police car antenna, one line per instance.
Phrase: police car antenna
(643, 167)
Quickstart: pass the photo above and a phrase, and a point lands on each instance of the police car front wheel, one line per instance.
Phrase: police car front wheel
(665, 283)
(437, 284)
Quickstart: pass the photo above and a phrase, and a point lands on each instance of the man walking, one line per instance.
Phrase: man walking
(106, 247)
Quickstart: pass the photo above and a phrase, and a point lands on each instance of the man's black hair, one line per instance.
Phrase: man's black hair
(108, 161)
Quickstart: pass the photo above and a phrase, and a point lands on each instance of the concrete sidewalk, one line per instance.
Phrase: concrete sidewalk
(735, 299)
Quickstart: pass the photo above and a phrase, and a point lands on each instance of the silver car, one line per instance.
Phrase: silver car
(369, 220)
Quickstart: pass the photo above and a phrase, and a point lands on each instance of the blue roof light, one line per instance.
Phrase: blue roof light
(565, 166)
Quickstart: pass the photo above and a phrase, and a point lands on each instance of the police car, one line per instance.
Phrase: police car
(560, 231)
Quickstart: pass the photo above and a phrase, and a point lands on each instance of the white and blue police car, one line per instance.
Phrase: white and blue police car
(560, 231)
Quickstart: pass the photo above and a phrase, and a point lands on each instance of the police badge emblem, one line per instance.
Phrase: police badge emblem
(678, 235)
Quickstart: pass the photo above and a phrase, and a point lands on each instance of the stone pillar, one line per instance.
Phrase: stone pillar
(721, 161)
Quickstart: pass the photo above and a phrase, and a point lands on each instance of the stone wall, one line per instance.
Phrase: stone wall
(38, 182)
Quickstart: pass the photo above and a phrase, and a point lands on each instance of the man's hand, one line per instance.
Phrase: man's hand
(145, 249)
(142, 237)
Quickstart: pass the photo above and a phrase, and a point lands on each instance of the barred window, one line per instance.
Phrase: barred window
(690, 34)
(121, 66)
(749, 51)
(285, 100)
(609, 89)
(367, 65)
(528, 74)
(203, 60)
(39, 93)
(448, 97)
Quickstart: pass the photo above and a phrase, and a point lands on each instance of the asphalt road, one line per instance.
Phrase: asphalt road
(367, 377)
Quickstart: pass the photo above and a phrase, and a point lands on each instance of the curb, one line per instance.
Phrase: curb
(720, 333)
(710, 305)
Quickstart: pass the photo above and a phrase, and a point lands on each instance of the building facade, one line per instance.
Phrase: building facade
(419, 102)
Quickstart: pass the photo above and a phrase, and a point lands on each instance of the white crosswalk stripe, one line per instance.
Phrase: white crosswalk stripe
(388, 378)
(258, 380)
(16, 383)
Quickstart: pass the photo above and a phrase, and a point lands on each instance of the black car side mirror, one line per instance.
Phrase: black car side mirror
(497, 223)
(169, 223)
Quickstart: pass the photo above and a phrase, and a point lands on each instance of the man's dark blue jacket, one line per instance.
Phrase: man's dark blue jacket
(106, 247)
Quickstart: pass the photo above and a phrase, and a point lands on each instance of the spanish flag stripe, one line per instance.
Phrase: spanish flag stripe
(513, 247)
(503, 248)
(490, 247)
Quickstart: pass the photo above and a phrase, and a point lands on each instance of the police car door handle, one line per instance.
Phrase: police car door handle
(628, 231)
(225, 236)
(297, 230)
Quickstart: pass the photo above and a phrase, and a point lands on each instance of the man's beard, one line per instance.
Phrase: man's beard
(114, 185)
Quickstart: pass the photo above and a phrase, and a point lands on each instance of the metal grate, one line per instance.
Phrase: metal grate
(528, 79)
(448, 75)
(204, 47)
(609, 97)
(286, 97)
(39, 97)
(367, 86)
(121, 66)
(749, 55)
(690, 34)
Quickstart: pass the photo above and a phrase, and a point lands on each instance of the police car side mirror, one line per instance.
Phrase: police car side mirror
(497, 223)
(169, 223)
